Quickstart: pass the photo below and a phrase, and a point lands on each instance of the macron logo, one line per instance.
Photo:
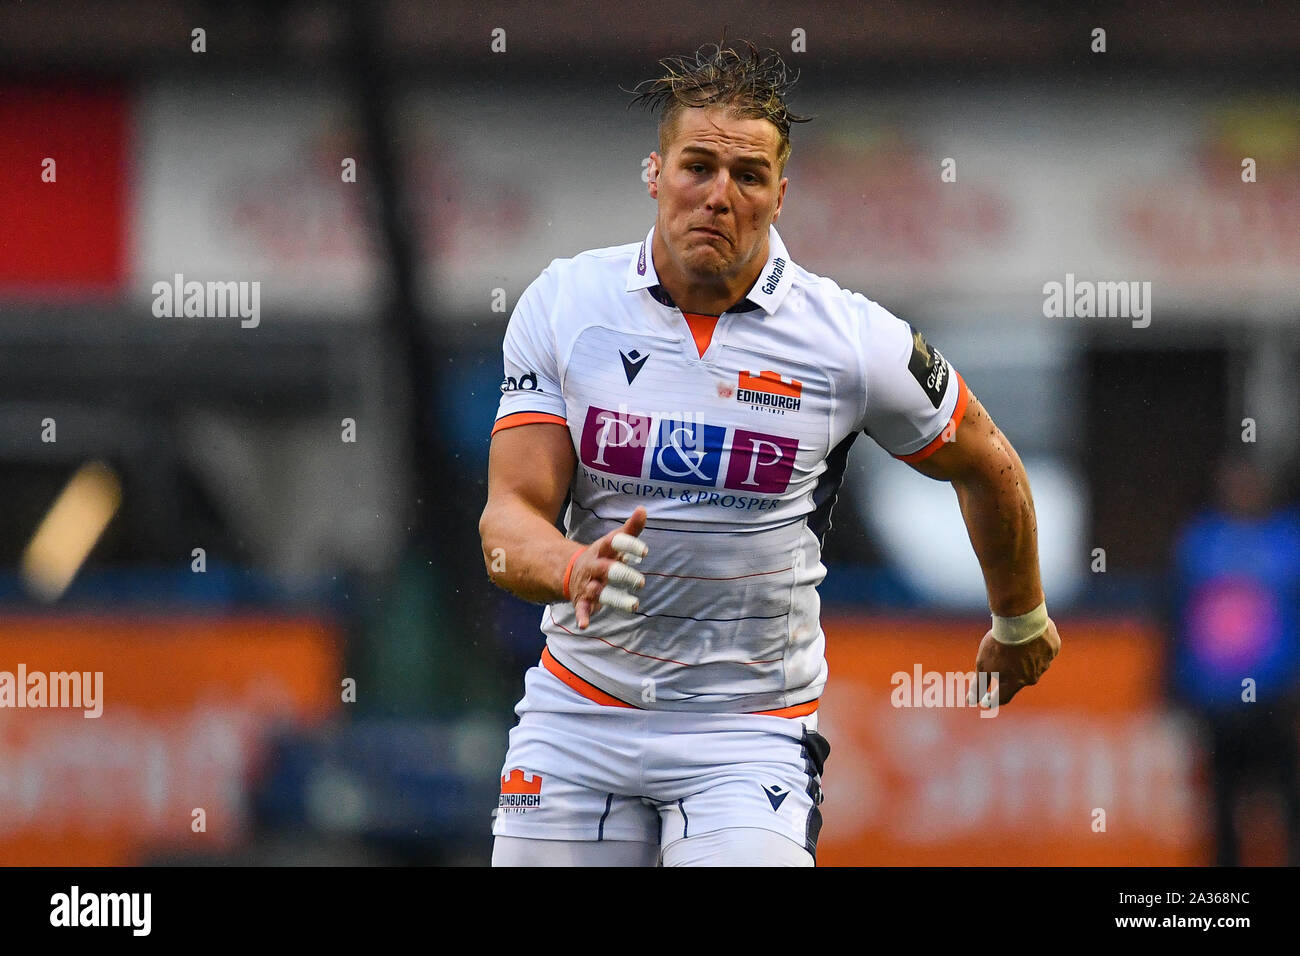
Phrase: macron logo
(632, 363)
(776, 795)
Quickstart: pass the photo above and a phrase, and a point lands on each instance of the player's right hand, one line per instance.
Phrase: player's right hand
(602, 574)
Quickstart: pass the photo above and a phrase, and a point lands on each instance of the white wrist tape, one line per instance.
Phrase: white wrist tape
(1020, 629)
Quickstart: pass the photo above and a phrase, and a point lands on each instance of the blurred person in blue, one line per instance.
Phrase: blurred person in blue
(1236, 648)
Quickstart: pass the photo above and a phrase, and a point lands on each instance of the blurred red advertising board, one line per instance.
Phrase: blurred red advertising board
(186, 704)
(1091, 745)
(64, 150)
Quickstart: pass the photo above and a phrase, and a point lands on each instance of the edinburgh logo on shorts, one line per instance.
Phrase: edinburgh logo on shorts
(769, 390)
(518, 793)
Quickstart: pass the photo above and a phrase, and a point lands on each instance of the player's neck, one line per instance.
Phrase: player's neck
(705, 297)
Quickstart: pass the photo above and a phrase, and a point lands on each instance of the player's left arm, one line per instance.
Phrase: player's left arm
(998, 508)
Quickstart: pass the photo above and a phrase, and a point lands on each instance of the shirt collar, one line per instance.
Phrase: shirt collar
(766, 293)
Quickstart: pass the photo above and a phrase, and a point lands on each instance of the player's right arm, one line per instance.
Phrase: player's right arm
(529, 471)
(531, 465)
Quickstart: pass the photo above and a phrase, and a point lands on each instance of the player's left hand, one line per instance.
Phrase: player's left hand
(1013, 666)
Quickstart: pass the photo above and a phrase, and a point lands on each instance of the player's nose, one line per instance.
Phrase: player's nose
(718, 190)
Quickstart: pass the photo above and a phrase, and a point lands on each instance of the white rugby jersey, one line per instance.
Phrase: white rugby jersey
(736, 445)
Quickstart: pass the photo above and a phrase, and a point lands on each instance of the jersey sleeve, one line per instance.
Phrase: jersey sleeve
(530, 388)
(913, 393)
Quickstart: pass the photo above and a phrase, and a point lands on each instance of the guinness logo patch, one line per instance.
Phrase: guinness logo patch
(929, 368)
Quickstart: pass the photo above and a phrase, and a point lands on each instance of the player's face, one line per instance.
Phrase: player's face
(718, 189)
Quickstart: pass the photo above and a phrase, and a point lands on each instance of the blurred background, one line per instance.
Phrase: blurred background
(259, 521)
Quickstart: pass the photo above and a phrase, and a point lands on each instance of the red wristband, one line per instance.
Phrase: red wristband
(568, 570)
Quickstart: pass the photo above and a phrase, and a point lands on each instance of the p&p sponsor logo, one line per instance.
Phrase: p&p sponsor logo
(682, 450)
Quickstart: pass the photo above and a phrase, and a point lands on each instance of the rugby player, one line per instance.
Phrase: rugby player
(694, 396)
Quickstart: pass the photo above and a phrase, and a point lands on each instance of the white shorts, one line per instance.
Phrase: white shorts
(581, 770)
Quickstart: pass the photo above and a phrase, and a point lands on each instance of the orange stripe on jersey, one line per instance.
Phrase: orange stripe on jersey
(587, 690)
(702, 327)
(526, 418)
(798, 710)
(963, 394)
(593, 693)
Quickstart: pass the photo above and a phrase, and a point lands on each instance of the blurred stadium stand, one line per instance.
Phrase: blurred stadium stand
(380, 304)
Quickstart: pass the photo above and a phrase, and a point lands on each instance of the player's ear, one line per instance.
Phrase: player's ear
(780, 198)
(652, 175)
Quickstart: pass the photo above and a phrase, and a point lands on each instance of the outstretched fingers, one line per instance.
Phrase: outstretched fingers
(609, 572)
